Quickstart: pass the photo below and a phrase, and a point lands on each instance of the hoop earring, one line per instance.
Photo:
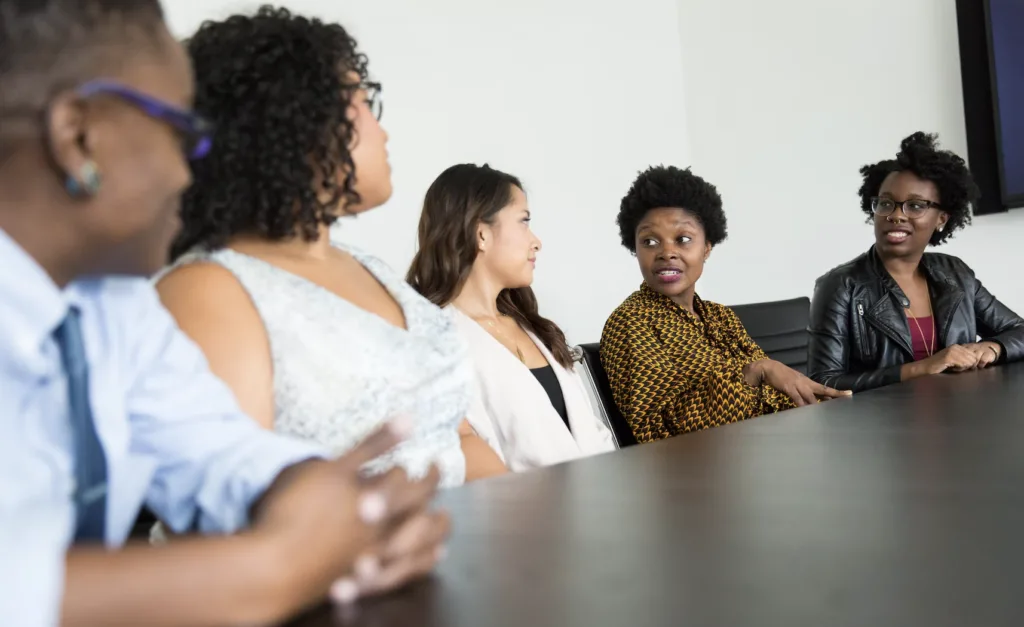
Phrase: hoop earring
(88, 182)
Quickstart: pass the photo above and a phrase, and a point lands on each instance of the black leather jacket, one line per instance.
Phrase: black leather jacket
(859, 332)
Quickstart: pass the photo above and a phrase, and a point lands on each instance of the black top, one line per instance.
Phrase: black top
(546, 377)
(859, 334)
(898, 507)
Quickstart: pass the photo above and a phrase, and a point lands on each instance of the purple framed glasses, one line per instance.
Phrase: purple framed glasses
(196, 131)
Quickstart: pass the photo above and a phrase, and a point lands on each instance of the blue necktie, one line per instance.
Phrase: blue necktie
(90, 461)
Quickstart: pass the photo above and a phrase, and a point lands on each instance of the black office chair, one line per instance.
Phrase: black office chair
(780, 329)
(597, 380)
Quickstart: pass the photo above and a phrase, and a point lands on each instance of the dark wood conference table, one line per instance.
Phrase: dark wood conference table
(900, 506)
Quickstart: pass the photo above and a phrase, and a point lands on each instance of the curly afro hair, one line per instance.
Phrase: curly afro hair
(668, 186)
(920, 155)
(275, 86)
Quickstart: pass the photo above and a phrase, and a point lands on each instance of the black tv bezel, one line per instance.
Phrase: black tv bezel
(1009, 201)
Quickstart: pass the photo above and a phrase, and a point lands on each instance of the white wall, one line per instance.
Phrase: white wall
(572, 96)
(787, 99)
(778, 103)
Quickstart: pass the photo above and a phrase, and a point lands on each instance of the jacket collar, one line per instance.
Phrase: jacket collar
(946, 294)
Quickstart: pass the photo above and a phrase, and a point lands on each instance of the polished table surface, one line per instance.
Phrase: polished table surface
(900, 506)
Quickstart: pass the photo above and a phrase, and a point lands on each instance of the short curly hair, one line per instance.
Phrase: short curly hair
(275, 86)
(669, 186)
(920, 155)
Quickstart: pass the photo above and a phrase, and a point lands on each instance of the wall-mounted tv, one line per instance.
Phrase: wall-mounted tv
(1005, 25)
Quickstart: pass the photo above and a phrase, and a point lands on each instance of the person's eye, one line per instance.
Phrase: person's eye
(917, 205)
(648, 242)
(685, 239)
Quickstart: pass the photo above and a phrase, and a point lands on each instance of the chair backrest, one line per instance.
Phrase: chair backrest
(601, 392)
(780, 329)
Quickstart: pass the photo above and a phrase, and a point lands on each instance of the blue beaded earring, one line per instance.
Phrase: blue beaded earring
(88, 181)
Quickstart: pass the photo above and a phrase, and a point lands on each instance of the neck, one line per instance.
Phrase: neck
(903, 267)
(478, 298)
(34, 220)
(685, 300)
(297, 246)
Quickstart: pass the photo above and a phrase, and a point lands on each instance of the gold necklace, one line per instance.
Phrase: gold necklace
(504, 339)
(929, 350)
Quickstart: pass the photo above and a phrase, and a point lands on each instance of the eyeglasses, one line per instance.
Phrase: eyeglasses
(913, 208)
(373, 99)
(196, 131)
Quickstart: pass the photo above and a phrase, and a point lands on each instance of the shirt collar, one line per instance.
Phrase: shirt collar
(658, 298)
(31, 304)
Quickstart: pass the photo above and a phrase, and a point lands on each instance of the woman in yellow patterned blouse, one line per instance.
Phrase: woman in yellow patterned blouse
(677, 363)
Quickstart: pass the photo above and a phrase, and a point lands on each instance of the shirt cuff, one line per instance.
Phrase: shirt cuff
(224, 505)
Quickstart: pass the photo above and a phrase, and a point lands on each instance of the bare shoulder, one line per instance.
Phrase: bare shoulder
(206, 294)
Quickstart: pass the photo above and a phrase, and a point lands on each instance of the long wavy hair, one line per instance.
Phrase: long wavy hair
(457, 202)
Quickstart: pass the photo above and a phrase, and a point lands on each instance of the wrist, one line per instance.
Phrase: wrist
(277, 589)
(912, 370)
(996, 348)
(756, 372)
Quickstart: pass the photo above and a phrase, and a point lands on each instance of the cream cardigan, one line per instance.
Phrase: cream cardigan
(513, 414)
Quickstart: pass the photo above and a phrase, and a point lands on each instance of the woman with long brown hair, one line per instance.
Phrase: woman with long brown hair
(476, 258)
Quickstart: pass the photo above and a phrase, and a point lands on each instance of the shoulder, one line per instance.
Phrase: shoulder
(951, 265)
(117, 300)
(842, 278)
(205, 297)
(720, 314)
(629, 312)
(200, 281)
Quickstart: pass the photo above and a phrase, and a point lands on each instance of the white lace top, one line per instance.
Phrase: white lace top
(340, 372)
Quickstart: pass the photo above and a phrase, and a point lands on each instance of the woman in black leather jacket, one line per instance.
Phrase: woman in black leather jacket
(896, 313)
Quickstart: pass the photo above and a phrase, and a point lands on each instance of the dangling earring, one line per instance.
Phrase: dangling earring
(942, 227)
(88, 182)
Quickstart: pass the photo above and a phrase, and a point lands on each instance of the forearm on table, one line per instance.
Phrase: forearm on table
(911, 370)
(192, 582)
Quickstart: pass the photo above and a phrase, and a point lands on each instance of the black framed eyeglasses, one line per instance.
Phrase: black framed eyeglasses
(195, 130)
(373, 98)
(913, 208)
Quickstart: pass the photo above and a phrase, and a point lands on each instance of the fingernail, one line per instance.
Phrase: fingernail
(372, 508)
(367, 567)
(344, 591)
(440, 553)
(401, 426)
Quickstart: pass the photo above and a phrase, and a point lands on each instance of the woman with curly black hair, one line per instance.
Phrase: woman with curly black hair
(677, 363)
(316, 340)
(896, 313)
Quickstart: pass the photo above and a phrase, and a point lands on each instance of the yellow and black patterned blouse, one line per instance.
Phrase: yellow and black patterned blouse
(672, 372)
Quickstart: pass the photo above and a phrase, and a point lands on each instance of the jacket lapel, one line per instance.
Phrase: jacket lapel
(946, 298)
(887, 315)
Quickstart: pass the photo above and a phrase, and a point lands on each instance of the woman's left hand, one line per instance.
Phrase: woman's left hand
(796, 386)
(987, 352)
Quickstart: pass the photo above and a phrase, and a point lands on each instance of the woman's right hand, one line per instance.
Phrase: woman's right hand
(955, 358)
(330, 529)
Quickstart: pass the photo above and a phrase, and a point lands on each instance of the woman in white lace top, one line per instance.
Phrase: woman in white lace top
(316, 340)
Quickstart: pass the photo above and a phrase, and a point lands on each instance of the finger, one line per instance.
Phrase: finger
(401, 497)
(404, 571)
(797, 398)
(416, 535)
(833, 393)
(806, 395)
(378, 443)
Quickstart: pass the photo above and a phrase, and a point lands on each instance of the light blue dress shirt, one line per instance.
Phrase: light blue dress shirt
(174, 436)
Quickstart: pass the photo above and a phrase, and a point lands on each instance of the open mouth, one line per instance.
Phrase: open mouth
(668, 275)
(897, 236)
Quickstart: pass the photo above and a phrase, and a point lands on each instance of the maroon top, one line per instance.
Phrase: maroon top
(922, 337)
